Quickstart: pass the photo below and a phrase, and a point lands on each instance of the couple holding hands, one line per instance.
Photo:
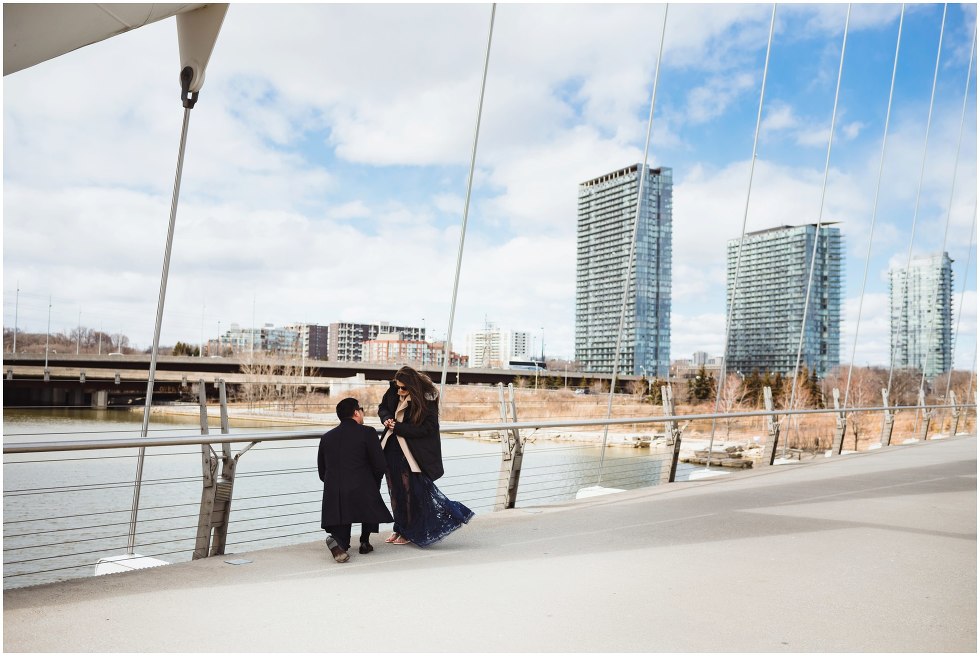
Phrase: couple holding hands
(351, 462)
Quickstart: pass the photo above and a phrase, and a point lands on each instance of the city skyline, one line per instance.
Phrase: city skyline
(316, 193)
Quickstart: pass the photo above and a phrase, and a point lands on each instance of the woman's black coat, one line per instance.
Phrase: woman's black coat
(351, 464)
(423, 438)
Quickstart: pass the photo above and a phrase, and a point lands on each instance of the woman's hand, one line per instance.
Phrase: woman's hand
(390, 424)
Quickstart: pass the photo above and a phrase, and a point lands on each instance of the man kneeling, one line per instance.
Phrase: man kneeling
(351, 465)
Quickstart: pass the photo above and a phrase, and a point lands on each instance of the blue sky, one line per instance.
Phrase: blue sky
(328, 155)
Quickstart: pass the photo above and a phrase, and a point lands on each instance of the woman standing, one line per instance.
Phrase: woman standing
(413, 455)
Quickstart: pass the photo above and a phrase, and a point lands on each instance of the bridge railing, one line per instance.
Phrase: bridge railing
(67, 502)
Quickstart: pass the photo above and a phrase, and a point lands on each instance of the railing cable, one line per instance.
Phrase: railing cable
(741, 240)
(941, 304)
(640, 190)
(959, 313)
(816, 235)
(874, 210)
(901, 335)
(466, 211)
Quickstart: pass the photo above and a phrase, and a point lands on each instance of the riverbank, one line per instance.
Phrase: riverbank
(750, 447)
(806, 436)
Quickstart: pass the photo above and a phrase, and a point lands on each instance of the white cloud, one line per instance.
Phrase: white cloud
(325, 170)
(778, 116)
(352, 210)
(713, 98)
(851, 130)
(696, 332)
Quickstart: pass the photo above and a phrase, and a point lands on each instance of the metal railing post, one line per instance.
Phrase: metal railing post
(220, 517)
(510, 465)
(955, 420)
(505, 436)
(772, 423)
(840, 430)
(214, 518)
(926, 415)
(888, 421)
(209, 466)
(673, 433)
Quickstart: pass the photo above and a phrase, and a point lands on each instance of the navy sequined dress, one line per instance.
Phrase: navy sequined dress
(423, 514)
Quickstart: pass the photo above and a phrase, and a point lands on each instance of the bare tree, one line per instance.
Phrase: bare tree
(864, 392)
(732, 397)
(273, 379)
(905, 387)
(637, 388)
(803, 398)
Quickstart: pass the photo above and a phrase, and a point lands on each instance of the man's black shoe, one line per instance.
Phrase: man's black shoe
(366, 548)
(338, 552)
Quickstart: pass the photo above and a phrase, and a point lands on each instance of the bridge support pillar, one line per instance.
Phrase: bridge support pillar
(100, 399)
(513, 452)
(772, 424)
(888, 422)
(669, 474)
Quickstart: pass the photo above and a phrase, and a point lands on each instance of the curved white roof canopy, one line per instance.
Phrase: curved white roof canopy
(37, 32)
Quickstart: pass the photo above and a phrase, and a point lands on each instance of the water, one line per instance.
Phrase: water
(64, 511)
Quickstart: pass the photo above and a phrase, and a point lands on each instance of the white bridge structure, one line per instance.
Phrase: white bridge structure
(70, 501)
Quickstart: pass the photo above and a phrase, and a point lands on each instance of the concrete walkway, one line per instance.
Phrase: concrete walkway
(868, 552)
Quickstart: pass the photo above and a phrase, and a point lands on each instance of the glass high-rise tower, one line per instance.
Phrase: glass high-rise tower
(922, 314)
(606, 211)
(771, 296)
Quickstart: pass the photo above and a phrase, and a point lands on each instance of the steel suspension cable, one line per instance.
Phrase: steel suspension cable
(741, 240)
(641, 182)
(915, 212)
(959, 314)
(189, 101)
(816, 236)
(949, 213)
(466, 210)
(874, 210)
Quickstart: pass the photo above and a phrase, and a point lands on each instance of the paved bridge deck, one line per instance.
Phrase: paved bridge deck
(868, 552)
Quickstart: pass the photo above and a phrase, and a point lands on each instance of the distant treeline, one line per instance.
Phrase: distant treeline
(747, 392)
(91, 342)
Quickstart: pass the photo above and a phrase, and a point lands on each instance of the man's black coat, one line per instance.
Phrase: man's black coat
(351, 465)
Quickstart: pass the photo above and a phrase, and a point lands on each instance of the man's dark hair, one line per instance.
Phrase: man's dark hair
(347, 407)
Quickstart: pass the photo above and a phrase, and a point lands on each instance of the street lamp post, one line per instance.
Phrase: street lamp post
(16, 307)
(47, 337)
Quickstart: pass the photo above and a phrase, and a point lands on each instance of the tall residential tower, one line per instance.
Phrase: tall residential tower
(606, 210)
(772, 295)
(922, 315)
